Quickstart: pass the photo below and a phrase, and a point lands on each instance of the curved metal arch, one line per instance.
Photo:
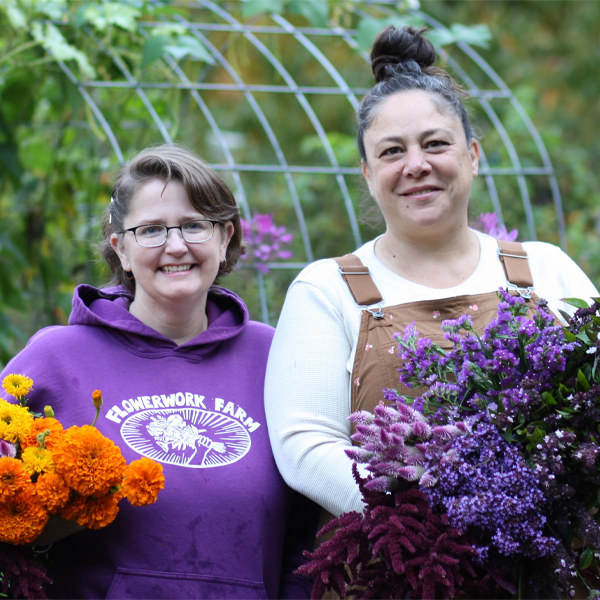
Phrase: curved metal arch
(135, 84)
(300, 96)
(333, 72)
(301, 34)
(547, 170)
(266, 126)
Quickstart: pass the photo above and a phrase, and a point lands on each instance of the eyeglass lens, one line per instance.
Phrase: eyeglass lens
(156, 235)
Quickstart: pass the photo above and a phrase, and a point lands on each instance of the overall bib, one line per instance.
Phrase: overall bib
(376, 362)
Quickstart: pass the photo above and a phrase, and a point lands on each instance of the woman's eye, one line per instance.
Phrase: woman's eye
(391, 151)
(149, 230)
(436, 144)
(192, 226)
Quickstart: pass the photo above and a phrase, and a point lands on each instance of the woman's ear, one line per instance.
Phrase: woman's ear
(225, 239)
(367, 175)
(117, 245)
(475, 152)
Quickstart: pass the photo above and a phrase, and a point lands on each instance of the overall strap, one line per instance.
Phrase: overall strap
(516, 266)
(358, 279)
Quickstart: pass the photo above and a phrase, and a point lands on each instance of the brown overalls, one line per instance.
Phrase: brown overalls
(376, 362)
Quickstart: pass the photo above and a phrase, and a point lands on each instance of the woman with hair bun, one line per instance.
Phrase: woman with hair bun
(181, 370)
(334, 350)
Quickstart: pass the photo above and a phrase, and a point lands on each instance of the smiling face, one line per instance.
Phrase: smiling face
(176, 275)
(420, 167)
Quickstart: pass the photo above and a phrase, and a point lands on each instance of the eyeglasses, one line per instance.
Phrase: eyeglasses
(154, 235)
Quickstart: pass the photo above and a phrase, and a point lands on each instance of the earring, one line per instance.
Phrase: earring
(128, 278)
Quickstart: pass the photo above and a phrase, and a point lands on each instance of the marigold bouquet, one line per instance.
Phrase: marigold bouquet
(487, 484)
(45, 470)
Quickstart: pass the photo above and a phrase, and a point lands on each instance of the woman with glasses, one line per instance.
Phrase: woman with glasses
(181, 370)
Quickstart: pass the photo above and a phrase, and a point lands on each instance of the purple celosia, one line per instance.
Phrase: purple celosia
(265, 241)
(7, 449)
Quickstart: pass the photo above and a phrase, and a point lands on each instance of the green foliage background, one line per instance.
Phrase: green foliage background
(56, 164)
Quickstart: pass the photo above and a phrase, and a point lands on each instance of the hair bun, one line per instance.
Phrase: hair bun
(394, 47)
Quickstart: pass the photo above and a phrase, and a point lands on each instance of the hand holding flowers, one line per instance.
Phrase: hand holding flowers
(75, 473)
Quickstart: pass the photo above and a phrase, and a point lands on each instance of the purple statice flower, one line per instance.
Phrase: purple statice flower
(488, 488)
(265, 241)
(7, 449)
(488, 223)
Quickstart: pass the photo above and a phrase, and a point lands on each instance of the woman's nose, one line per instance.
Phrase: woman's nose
(175, 243)
(416, 163)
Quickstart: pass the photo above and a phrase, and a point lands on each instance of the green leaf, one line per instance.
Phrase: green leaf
(187, 45)
(251, 8)
(54, 42)
(576, 302)
(154, 48)
(548, 398)
(15, 16)
(565, 315)
(582, 381)
(475, 35)
(121, 15)
(370, 27)
(53, 9)
(585, 560)
(316, 13)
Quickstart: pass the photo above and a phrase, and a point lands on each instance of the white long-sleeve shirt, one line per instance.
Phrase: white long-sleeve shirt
(307, 389)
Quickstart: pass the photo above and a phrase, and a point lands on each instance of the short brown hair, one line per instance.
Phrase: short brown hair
(207, 192)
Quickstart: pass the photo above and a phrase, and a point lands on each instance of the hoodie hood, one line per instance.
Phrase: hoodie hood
(109, 308)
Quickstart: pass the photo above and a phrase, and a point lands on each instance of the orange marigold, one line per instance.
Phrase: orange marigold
(15, 421)
(143, 480)
(39, 426)
(52, 491)
(13, 478)
(90, 512)
(22, 517)
(89, 462)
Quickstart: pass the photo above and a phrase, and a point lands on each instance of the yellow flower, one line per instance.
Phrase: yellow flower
(37, 460)
(17, 385)
(15, 421)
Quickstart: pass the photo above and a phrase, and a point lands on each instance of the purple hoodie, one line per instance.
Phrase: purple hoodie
(218, 528)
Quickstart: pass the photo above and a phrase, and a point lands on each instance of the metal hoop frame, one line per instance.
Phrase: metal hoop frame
(483, 84)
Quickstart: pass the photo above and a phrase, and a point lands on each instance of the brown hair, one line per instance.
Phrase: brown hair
(207, 192)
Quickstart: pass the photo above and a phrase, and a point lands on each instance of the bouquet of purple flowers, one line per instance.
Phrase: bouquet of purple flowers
(486, 484)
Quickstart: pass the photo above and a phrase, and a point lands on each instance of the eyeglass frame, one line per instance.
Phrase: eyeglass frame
(167, 229)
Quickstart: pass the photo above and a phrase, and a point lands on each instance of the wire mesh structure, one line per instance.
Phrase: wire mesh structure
(248, 115)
